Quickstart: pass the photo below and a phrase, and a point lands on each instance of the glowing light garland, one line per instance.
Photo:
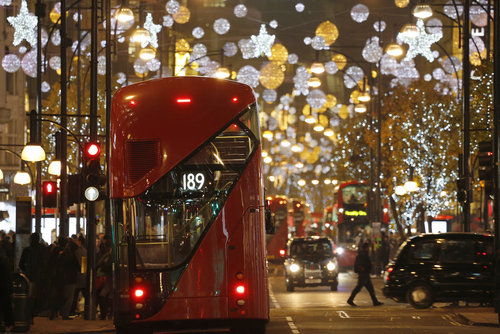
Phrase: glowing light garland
(420, 44)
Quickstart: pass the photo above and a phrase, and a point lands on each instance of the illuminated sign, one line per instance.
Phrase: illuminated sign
(355, 213)
(192, 180)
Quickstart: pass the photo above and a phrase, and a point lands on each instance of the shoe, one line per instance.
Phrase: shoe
(67, 318)
(378, 303)
(350, 302)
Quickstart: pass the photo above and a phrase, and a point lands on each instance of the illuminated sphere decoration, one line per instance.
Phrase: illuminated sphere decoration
(240, 11)
(198, 32)
(279, 54)
(331, 101)
(479, 19)
(230, 49)
(45, 87)
(153, 64)
(101, 65)
(273, 24)
(182, 16)
(451, 8)
(140, 66)
(343, 112)
(5, 3)
(476, 44)
(360, 13)
(199, 51)
(11, 63)
(331, 67)
(401, 3)
(221, 26)
(372, 52)
(434, 26)
(29, 62)
(328, 31)
(55, 63)
(450, 65)
(248, 75)
(247, 48)
(56, 37)
(172, 7)
(299, 7)
(318, 42)
(271, 76)
(293, 58)
(307, 40)
(168, 21)
(269, 95)
(316, 98)
(352, 76)
(341, 61)
(379, 26)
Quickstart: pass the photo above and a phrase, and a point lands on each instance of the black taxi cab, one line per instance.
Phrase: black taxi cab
(310, 261)
(443, 267)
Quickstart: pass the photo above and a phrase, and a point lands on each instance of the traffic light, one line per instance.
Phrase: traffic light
(75, 193)
(92, 170)
(49, 194)
(486, 166)
(461, 191)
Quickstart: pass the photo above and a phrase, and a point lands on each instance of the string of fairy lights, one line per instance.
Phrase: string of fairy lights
(335, 148)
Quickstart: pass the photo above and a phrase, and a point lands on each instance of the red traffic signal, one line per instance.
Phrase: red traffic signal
(49, 194)
(92, 150)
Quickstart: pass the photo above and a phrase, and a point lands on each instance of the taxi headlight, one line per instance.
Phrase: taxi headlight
(340, 250)
(294, 268)
(330, 266)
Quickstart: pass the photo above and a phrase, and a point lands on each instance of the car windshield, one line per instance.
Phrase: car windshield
(311, 249)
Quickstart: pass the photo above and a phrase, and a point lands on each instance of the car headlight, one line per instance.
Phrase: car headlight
(294, 268)
(330, 266)
(340, 250)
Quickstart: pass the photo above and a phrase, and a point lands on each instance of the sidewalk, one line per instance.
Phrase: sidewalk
(478, 316)
(78, 325)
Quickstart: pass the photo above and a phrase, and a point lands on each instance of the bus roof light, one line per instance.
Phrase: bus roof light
(235, 99)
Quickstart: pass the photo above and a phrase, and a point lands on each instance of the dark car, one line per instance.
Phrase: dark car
(444, 267)
(310, 261)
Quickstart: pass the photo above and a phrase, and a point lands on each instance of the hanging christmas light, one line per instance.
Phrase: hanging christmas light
(263, 42)
(420, 44)
(24, 26)
(153, 29)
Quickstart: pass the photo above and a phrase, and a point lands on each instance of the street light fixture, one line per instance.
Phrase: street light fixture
(394, 49)
(222, 73)
(147, 53)
(124, 14)
(317, 67)
(33, 152)
(22, 177)
(410, 30)
(360, 108)
(422, 11)
(310, 119)
(314, 82)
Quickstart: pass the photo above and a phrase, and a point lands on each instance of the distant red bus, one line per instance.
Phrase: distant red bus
(276, 243)
(292, 218)
(188, 210)
(348, 220)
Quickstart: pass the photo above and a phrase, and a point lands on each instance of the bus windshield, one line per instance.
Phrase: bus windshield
(169, 218)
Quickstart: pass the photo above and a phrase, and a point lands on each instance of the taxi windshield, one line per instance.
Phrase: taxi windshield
(311, 249)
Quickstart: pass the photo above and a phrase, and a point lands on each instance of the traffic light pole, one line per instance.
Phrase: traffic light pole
(496, 152)
(466, 113)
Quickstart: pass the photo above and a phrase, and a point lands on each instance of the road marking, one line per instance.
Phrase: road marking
(453, 321)
(273, 299)
(292, 325)
(343, 315)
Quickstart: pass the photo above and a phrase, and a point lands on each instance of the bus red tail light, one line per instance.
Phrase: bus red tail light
(390, 269)
(139, 293)
(184, 100)
(282, 252)
(235, 99)
(240, 289)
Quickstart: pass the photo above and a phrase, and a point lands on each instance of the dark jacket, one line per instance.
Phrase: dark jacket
(364, 263)
(69, 266)
(6, 286)
(33, 261)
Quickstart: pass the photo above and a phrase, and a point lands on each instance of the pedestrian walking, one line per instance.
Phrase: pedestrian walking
(32, 263)
(385, 251)
(69, 270)
(6, 291)
(81, 282)
(55, 277)
(363, 267)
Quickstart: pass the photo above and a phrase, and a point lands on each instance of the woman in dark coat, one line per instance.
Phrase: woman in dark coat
(6, 291)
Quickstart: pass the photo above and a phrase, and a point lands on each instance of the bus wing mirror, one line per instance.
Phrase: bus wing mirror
(270, 222)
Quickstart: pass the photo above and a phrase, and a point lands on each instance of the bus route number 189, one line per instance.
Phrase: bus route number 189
(193, 181)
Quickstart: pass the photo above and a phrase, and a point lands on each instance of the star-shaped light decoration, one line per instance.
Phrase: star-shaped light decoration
(420, 44)
(153, 29)
(24, 25)
(263, 42)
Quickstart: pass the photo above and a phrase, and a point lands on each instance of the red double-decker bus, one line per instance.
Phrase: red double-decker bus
(188, 210)
(276, 243)
(348, 220)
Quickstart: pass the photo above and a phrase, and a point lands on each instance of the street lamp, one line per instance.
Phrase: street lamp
(22, 177)
(422, 11)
